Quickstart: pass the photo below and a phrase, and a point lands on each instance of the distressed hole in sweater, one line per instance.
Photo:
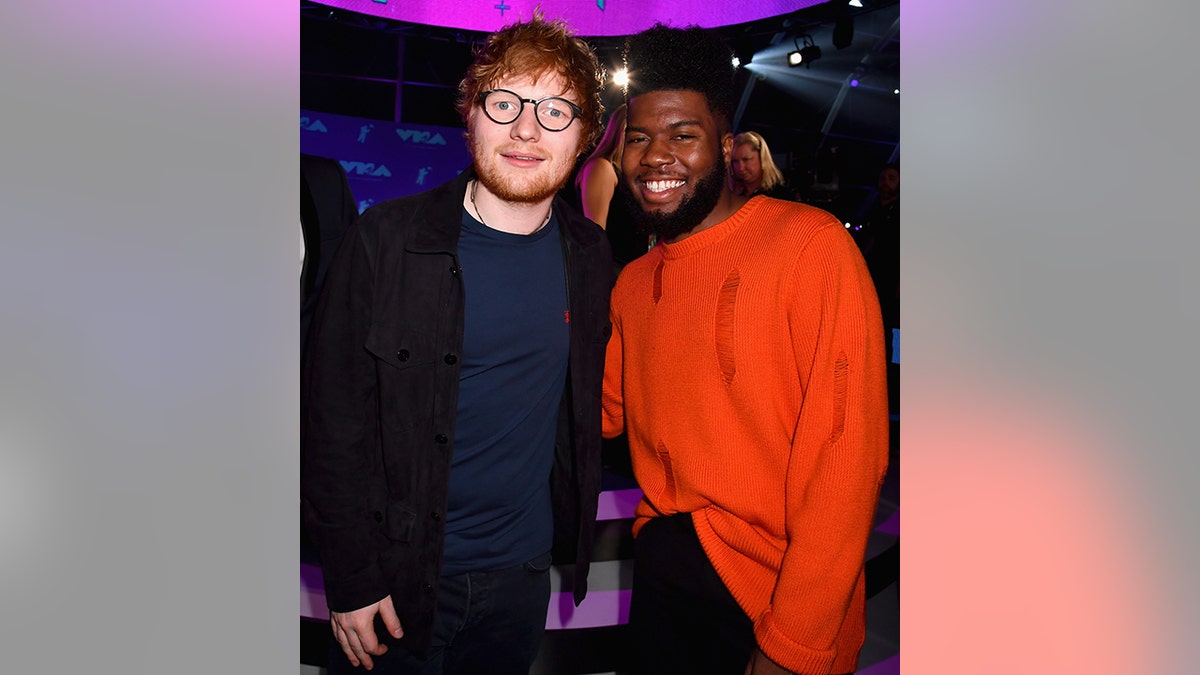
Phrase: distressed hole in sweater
(666, 498)
(724, 328)
(841, 373)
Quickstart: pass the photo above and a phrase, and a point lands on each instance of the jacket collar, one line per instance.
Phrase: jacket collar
(440, 217)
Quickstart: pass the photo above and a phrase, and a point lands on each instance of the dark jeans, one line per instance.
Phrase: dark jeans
(681, 616)
(487, 622)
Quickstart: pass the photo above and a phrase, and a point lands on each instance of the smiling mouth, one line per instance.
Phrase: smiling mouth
(663, 185)
(524, 158)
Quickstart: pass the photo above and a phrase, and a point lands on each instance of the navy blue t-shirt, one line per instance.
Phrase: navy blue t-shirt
(514, 366)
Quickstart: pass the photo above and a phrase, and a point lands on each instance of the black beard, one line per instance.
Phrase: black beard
(691, 211)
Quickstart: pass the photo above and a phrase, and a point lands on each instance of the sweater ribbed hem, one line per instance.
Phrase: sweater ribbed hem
(749, 564)
(789, 654)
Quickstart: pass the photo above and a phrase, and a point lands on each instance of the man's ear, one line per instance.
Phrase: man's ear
(727, 147)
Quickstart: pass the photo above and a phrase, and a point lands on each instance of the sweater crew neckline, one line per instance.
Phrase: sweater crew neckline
(702, 240)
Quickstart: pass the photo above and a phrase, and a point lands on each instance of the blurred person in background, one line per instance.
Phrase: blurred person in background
(752, 170)
(327, 209)
(597, 182)
(597, 178)
(878, 236)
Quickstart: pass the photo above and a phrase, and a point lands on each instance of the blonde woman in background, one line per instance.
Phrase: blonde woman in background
(752, 171)
(597, 179)
(597, 183)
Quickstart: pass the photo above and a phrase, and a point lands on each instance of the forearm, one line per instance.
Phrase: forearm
(612, 398)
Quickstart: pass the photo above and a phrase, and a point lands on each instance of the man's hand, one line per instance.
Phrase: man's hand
(761, 665)
(355, 631)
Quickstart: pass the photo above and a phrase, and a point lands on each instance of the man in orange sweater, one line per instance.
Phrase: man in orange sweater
(747, 367)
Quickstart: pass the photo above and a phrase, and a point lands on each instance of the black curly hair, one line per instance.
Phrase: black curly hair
(690, 58)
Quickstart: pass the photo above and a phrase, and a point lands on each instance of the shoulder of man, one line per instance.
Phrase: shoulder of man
(792, 219)
(401, 216)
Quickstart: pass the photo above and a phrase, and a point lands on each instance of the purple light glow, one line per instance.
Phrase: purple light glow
(853, 83)
(587, 17)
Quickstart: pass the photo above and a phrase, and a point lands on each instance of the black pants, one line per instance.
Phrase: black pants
(681, 616)
(487, 622)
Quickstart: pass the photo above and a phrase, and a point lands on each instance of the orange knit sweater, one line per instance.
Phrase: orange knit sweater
(747, 364)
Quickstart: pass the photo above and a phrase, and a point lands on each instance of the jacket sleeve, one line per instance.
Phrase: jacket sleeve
(339, 430)
(838, 458)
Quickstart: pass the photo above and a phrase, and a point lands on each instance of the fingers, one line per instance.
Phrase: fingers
(356, 635)
(391, 621)
(344, 640)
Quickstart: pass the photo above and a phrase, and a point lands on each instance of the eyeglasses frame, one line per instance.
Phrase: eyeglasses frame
(480, 99)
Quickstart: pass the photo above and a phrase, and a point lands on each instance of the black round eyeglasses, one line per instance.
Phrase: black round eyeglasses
(554, 113)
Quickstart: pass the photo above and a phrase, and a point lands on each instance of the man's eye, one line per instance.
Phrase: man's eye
(504, 106)
(554, 113)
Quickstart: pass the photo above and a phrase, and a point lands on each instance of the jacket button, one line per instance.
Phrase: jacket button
(377, 516)
(402, 355)
(441, 438)
(428, 588)
(450, 359)
(435, 515)
(454, 271)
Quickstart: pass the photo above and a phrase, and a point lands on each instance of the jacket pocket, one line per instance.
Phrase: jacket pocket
(405, 365)
(400, 348)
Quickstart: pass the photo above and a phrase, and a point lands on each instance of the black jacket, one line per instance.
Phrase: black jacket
(381, 389)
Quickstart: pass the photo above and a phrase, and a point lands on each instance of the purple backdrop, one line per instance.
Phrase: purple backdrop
(587, 17)
(383, 159)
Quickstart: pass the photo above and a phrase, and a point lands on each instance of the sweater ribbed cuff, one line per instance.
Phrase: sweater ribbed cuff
(790, 654)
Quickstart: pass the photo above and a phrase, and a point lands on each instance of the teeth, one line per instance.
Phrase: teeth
(663, 185)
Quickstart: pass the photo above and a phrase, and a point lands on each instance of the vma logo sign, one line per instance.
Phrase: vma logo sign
(422, 137)
(310, 124)
(365, 169)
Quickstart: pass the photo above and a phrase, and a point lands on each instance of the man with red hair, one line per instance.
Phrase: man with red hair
(451, 432)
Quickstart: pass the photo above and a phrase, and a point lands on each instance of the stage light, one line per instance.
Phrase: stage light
(804, 55)
(856, 3)
(621, 77)
(742, 55)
